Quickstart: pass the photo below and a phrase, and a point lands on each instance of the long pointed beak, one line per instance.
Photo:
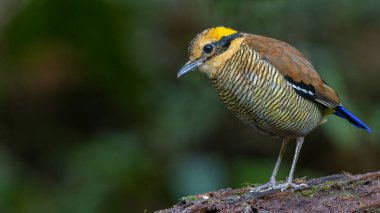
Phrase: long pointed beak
(190, 66)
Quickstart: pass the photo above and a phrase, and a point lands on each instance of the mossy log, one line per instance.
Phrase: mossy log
(335, 193)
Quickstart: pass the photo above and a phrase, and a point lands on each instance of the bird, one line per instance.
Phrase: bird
(269, 85)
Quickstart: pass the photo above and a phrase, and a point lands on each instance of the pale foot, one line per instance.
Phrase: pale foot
(289, 184)
(272, 185)
(264, 187)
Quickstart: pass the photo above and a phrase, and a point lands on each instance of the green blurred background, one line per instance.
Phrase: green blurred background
(93, 119)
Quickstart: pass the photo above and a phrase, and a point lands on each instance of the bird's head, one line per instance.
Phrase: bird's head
(210, 49)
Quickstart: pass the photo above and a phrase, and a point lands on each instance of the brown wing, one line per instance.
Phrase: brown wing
(295, 68)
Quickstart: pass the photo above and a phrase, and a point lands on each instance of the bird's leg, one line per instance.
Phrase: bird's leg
(272, 181)
(289, 181)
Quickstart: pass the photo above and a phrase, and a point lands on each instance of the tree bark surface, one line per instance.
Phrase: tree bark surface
(335, 193)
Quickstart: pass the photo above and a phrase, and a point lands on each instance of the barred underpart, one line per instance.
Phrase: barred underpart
(261, 97)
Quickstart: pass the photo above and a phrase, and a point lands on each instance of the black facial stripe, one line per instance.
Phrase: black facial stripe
(227, 39)
(223, 44)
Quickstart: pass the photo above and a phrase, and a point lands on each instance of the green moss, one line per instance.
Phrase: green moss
(307, 192)
(239, 193)
(190, 198)
(249, 185)
(210, 201)
(325, 187)
(347, 194)
(357, 183)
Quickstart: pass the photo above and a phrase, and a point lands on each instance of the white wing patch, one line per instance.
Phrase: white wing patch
(307, 92)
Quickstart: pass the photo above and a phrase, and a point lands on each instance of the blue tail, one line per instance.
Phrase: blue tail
(344, 113)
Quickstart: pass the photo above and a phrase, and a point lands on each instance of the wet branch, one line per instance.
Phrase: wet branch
(335, 193)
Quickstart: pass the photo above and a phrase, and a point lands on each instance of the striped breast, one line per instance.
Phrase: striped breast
(260, 96)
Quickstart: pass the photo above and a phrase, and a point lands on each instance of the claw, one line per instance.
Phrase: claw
(272, 185)
(287, 185)
(264, 187)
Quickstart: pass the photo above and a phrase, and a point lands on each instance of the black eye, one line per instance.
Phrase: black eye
(208, 48)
